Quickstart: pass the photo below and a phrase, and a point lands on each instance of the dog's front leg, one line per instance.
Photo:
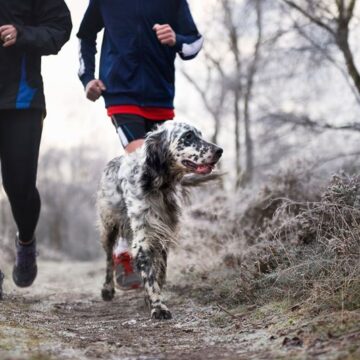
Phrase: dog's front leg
(150, 259)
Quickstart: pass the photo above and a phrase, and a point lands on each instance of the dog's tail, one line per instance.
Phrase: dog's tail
(199, 180)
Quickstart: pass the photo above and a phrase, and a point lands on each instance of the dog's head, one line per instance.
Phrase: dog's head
(180, 146)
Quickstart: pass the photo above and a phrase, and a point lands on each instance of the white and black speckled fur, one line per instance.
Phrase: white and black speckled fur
(139, 200)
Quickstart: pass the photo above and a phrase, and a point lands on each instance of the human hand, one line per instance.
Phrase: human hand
(8, 35)
(165, 34)
(94, 89)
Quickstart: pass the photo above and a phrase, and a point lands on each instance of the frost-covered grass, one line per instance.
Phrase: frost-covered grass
(296, 238)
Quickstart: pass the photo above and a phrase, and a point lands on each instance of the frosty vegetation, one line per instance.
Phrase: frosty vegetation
(294, 239)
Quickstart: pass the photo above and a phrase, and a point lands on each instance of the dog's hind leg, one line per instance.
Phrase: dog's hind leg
(108, 235)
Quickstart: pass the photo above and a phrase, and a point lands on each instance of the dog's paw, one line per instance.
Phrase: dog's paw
(160, 314)
(107, 294)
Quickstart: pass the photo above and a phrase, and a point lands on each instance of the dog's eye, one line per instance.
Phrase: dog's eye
(189, 136)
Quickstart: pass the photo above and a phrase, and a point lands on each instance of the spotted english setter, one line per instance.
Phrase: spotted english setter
(139, 200)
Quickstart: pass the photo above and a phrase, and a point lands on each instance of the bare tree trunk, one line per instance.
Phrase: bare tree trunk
(214, 138)
(219, 105)
(237, 86)
(237, 119)
(215, 108)
(248, 95)
(342, 41)
(342, 38)
(249, 166)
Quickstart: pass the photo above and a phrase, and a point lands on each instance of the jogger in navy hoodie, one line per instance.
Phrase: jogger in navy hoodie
(137, 71)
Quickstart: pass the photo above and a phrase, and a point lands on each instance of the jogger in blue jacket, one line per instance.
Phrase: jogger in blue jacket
(135, 67)
(137, 71)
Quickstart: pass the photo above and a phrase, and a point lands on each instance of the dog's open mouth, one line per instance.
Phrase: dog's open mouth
(203, 169)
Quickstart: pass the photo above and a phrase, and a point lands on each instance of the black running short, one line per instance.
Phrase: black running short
(133, 127)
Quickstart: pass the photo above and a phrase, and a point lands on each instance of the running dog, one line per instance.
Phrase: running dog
(139, 199)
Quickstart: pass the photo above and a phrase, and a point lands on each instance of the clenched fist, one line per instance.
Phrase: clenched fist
(8, 35)
(94, 89)
(165, 34)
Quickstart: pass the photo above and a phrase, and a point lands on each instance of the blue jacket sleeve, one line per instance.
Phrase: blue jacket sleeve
(188, 40)
(91, 24)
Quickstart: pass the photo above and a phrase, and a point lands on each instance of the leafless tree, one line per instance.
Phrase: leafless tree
(213, 101)
(333, 17)
(231, 78)
(233, 34)
(253, 69)
(264, 64)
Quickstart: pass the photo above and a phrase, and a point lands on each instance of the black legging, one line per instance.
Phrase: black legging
(20, 135)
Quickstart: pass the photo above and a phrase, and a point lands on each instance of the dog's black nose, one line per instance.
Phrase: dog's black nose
(219, 152)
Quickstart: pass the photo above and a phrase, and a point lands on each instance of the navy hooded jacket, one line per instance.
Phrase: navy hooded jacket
(135, 67)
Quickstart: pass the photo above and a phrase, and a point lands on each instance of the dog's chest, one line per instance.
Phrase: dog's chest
(166, 206)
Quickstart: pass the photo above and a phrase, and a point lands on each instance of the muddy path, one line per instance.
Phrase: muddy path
(63, 317)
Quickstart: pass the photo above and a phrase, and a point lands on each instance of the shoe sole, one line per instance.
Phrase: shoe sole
(24, 284)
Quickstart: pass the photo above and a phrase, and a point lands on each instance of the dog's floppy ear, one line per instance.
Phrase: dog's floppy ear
(157, 152)
(157, 159)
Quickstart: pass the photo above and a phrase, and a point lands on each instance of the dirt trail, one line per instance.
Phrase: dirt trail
(63, 317)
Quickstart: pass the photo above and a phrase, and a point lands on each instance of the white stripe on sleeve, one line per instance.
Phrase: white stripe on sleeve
(193, 48)
(82, 64)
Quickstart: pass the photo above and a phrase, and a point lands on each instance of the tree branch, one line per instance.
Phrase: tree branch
(313, 19)
(350, 9)
(329, 58)
(304, 120)
(341, 35)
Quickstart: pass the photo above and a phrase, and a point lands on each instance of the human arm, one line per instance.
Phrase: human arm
(185, 38)
(50, 30)
(188, 39)
(91, 24)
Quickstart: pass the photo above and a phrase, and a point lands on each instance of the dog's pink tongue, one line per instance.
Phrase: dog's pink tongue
(203, 169)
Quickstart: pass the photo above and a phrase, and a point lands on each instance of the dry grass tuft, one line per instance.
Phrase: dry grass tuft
(294, 240)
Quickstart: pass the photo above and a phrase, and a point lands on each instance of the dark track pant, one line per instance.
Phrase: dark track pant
(20, 135)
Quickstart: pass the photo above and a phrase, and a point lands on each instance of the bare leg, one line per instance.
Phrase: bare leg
(133, 146)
